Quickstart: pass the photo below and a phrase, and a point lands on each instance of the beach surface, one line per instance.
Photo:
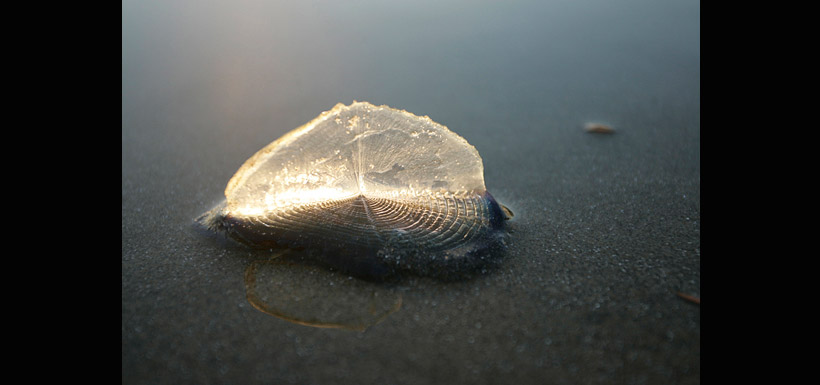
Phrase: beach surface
(601, 280)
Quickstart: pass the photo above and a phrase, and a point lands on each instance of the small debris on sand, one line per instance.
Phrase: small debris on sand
(690, 298)
(599, 128)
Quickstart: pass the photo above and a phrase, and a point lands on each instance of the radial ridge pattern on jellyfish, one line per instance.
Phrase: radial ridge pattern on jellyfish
(367, 189)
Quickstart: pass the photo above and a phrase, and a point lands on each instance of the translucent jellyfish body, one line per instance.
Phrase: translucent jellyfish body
(368, 189)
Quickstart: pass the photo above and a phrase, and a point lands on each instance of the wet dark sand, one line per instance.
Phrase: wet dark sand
(607, 226)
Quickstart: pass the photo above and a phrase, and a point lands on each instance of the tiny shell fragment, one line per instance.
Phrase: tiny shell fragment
(599, 128)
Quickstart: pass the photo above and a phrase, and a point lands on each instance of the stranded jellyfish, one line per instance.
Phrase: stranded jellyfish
(370, 190)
